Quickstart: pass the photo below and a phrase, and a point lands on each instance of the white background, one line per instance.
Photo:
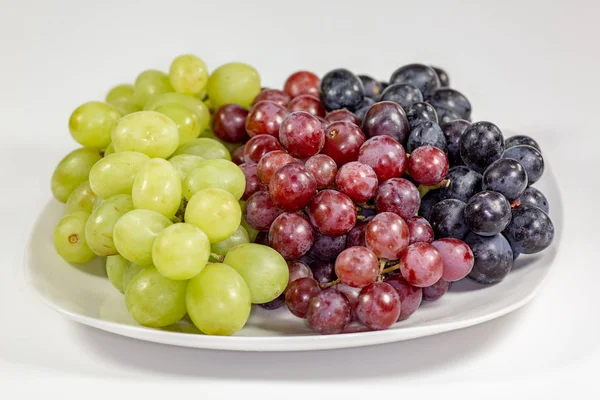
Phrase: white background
(529, 66)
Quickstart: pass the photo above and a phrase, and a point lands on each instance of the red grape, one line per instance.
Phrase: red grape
(421, 265)
(435, 291)
(357, 266)
(297, 270)
(252, 183)
(323, 169)
(327, 247)
(258, 146)
(265, 118)
(323, 271)
(387, 235)
(386, 118)
(329, 312)
(378, 306)
(457, 258)
(238, 155)
(298, 295)
(420, 230)
(291, 235)
(229, 123)
(351, 294)
(332, 213)
(428, 165)
(301, 134)
(277, 96)
(356, 237)
(385, 155)
(343, 141)
(398, 195)
(302, 82)
(261, 211)
(342, 115)
(307, 103)
(358, 181)
(292, 187)
(410, 296)
(270, 163)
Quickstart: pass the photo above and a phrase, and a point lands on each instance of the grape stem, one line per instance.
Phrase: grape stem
(360, 217)
(391, 268)
(325, 285)
(217, 257)
(368, 206)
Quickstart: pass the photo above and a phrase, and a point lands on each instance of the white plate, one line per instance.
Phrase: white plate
(84, 294)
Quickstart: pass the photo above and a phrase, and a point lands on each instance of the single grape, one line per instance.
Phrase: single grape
(237, 157)
(261, 211)
(252, 183)
(327, 247)
(276, 96)
(135, 232)
(188, 74)
(258, 146)
(323, 168)
(265, 271)
(148, 132)
(430, 199)
(265, 118)
(493, 258)
(507, 177)
(233, 83)
(386, 118)
(291, 235)
(215, 211)
(421, 265)
(530, 230)
(81, 199)
(343, 141)
(385, 155)
(332, 213)
(302, 82)
(457, 258)
(530, 158)
(358, 181)
(115, 265)
(351, 294)
(101, 224)
(91, 123)
(150, 83)
(398, 195)
(373, 88)
(297, 270)
(71, 171)
(487, 213)
(435, 291)
(69, 238)
(292, 187)
(270, 163)
(323, 271)
(533, 197)
(329, 312)
(519, 140)
(427, 133)
(342, 115)
(186, 119)
(157, 187)
(419, 229)
(447, 219)
(357, 266)
(129, 272)
(307, 103)
(274, 304)
(123, 92)
(184, 164)
(299, 294)
(420, 112)
(196, 105)
(240, 236)
(220, 174)
(218, 300)
(208, 149)
(301, 134)
(378, 306)
(453, 100)
(463, 183)
(340, 88)
(115, 173)
(443, 76)
(356, 237)
(421, 76)
(446, 115)
(480, 145)
(229, 123)
(453, 130)
(387, 235)
(410, 296)
(402, 94)
(428, 165)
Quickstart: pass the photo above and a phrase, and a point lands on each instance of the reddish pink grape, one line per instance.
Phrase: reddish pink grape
(261, 211)
(323, 169)
(277, 96)
(302, 82)
(258, 146)
(387, 235)
(307, 103)
(274, 304)
(357, 266)
(342, 115)
(323, 271)
(378, 306)
(270, 163)
(435, 291)
(386, 118)
(298, 295)
(358, 181)
(327, 247)
(410, 296)
(420, 230)
(301, 134)
(457, 258)
(329, 312)
(252, 183)
(356, 237)
(343, 141)
(297, 270)
(351, 294)
(385, 155)
(291, 235)
(265, 118)
(421, 265)
(332, 213)
(229, 123)
(238, 155)
(292, 187)
(428, 165)
(398, 195)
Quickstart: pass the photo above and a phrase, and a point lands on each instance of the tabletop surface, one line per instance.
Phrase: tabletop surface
(528, 66)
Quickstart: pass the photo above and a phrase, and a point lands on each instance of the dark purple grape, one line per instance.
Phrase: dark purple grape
(530, 158)
(487, 213)
(427, 133)
(453, 100)
(493, 258)
(533, 197)
(420, 76)
(430, 199)
(327, 247)
(453, 130)
(507, 177)
(530, 230)
(323, 271)
(481, 144)
(410, 296)
(386, 118)
(329, 312)
(274, 304)
(435, 291)
(372, 87)
(403, 94)
(445, 115)
(399, 196)
(463, 183)
(443, 76)
(340, 88)
(519, 140)
(420, 112)
(364, 107)
(447, 219)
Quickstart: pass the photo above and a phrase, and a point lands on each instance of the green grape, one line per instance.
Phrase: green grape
(148, 132)
(208, 133)
(126, 107)
(97, 203)
(81, 199)
(221, 174)
(91, 123)
(130, 271)
(69, 238)
(101, 224)
(233, 83)
(264, 270)
(155, 301)
(150, 83)
(181, 251)
(188, 74)
(110, 149)
(135, 232)
(185, 163)
(215, 211)
(123, 92)
(240, 236)
(115, 173)
(187, 120)
(208, 149)
(252, 233)
(179, 98)
(157, 187)
(115, 265)
(218, 300)
(71, 171)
